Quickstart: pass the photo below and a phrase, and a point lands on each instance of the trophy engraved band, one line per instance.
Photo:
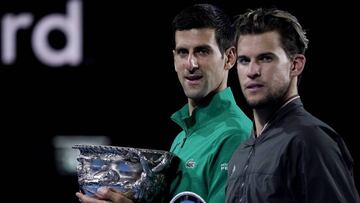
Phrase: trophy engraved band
(139, 173)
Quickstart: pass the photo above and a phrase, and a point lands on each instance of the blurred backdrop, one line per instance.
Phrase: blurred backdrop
(101, 72)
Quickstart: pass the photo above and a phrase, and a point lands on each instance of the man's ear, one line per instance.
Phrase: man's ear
(230, 55)
(298, 65)
(174, 59)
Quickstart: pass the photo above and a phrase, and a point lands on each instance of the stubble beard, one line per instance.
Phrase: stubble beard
(269, 100)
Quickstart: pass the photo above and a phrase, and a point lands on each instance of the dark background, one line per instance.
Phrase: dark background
(126, 87)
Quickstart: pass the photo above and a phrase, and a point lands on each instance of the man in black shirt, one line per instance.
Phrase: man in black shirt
(292, 156)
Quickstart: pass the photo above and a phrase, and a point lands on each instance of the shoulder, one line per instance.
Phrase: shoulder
(233, 134)
(234, 122)
(228, 141)
(301, 129)
(312, 136)
(306, 127)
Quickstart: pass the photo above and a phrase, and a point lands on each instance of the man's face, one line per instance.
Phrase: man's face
(263, 68)
(198, 62)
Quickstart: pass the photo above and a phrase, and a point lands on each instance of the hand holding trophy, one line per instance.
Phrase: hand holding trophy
(142, 174)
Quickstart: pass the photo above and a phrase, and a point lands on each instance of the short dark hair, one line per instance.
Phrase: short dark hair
(292, 36)
(206, 16)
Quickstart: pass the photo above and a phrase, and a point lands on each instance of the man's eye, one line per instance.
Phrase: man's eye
(203, 52)
(266, 59)
(243, 60)
(182, 53)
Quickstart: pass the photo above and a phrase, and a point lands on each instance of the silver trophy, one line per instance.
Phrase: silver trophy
(142, 174)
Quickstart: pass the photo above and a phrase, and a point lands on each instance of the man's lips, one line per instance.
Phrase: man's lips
(193, 79)
(253, 86)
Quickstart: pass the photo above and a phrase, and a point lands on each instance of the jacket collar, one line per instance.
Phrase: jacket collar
(210, 107)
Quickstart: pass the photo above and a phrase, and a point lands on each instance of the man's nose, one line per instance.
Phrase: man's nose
(254, 70)
(193, 64)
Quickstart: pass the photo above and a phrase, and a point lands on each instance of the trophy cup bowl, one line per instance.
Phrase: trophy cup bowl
(141, 174)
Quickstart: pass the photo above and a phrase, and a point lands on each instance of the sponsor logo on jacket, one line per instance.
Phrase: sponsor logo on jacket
(190, 163)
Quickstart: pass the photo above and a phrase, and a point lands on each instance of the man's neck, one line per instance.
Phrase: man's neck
(262, 117)
(193, 103)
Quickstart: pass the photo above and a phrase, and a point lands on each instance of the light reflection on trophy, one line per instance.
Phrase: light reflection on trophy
(142, 174)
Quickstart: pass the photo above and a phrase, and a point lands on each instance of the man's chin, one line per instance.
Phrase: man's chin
(193, 94)
(257, 104)
(263, 104)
